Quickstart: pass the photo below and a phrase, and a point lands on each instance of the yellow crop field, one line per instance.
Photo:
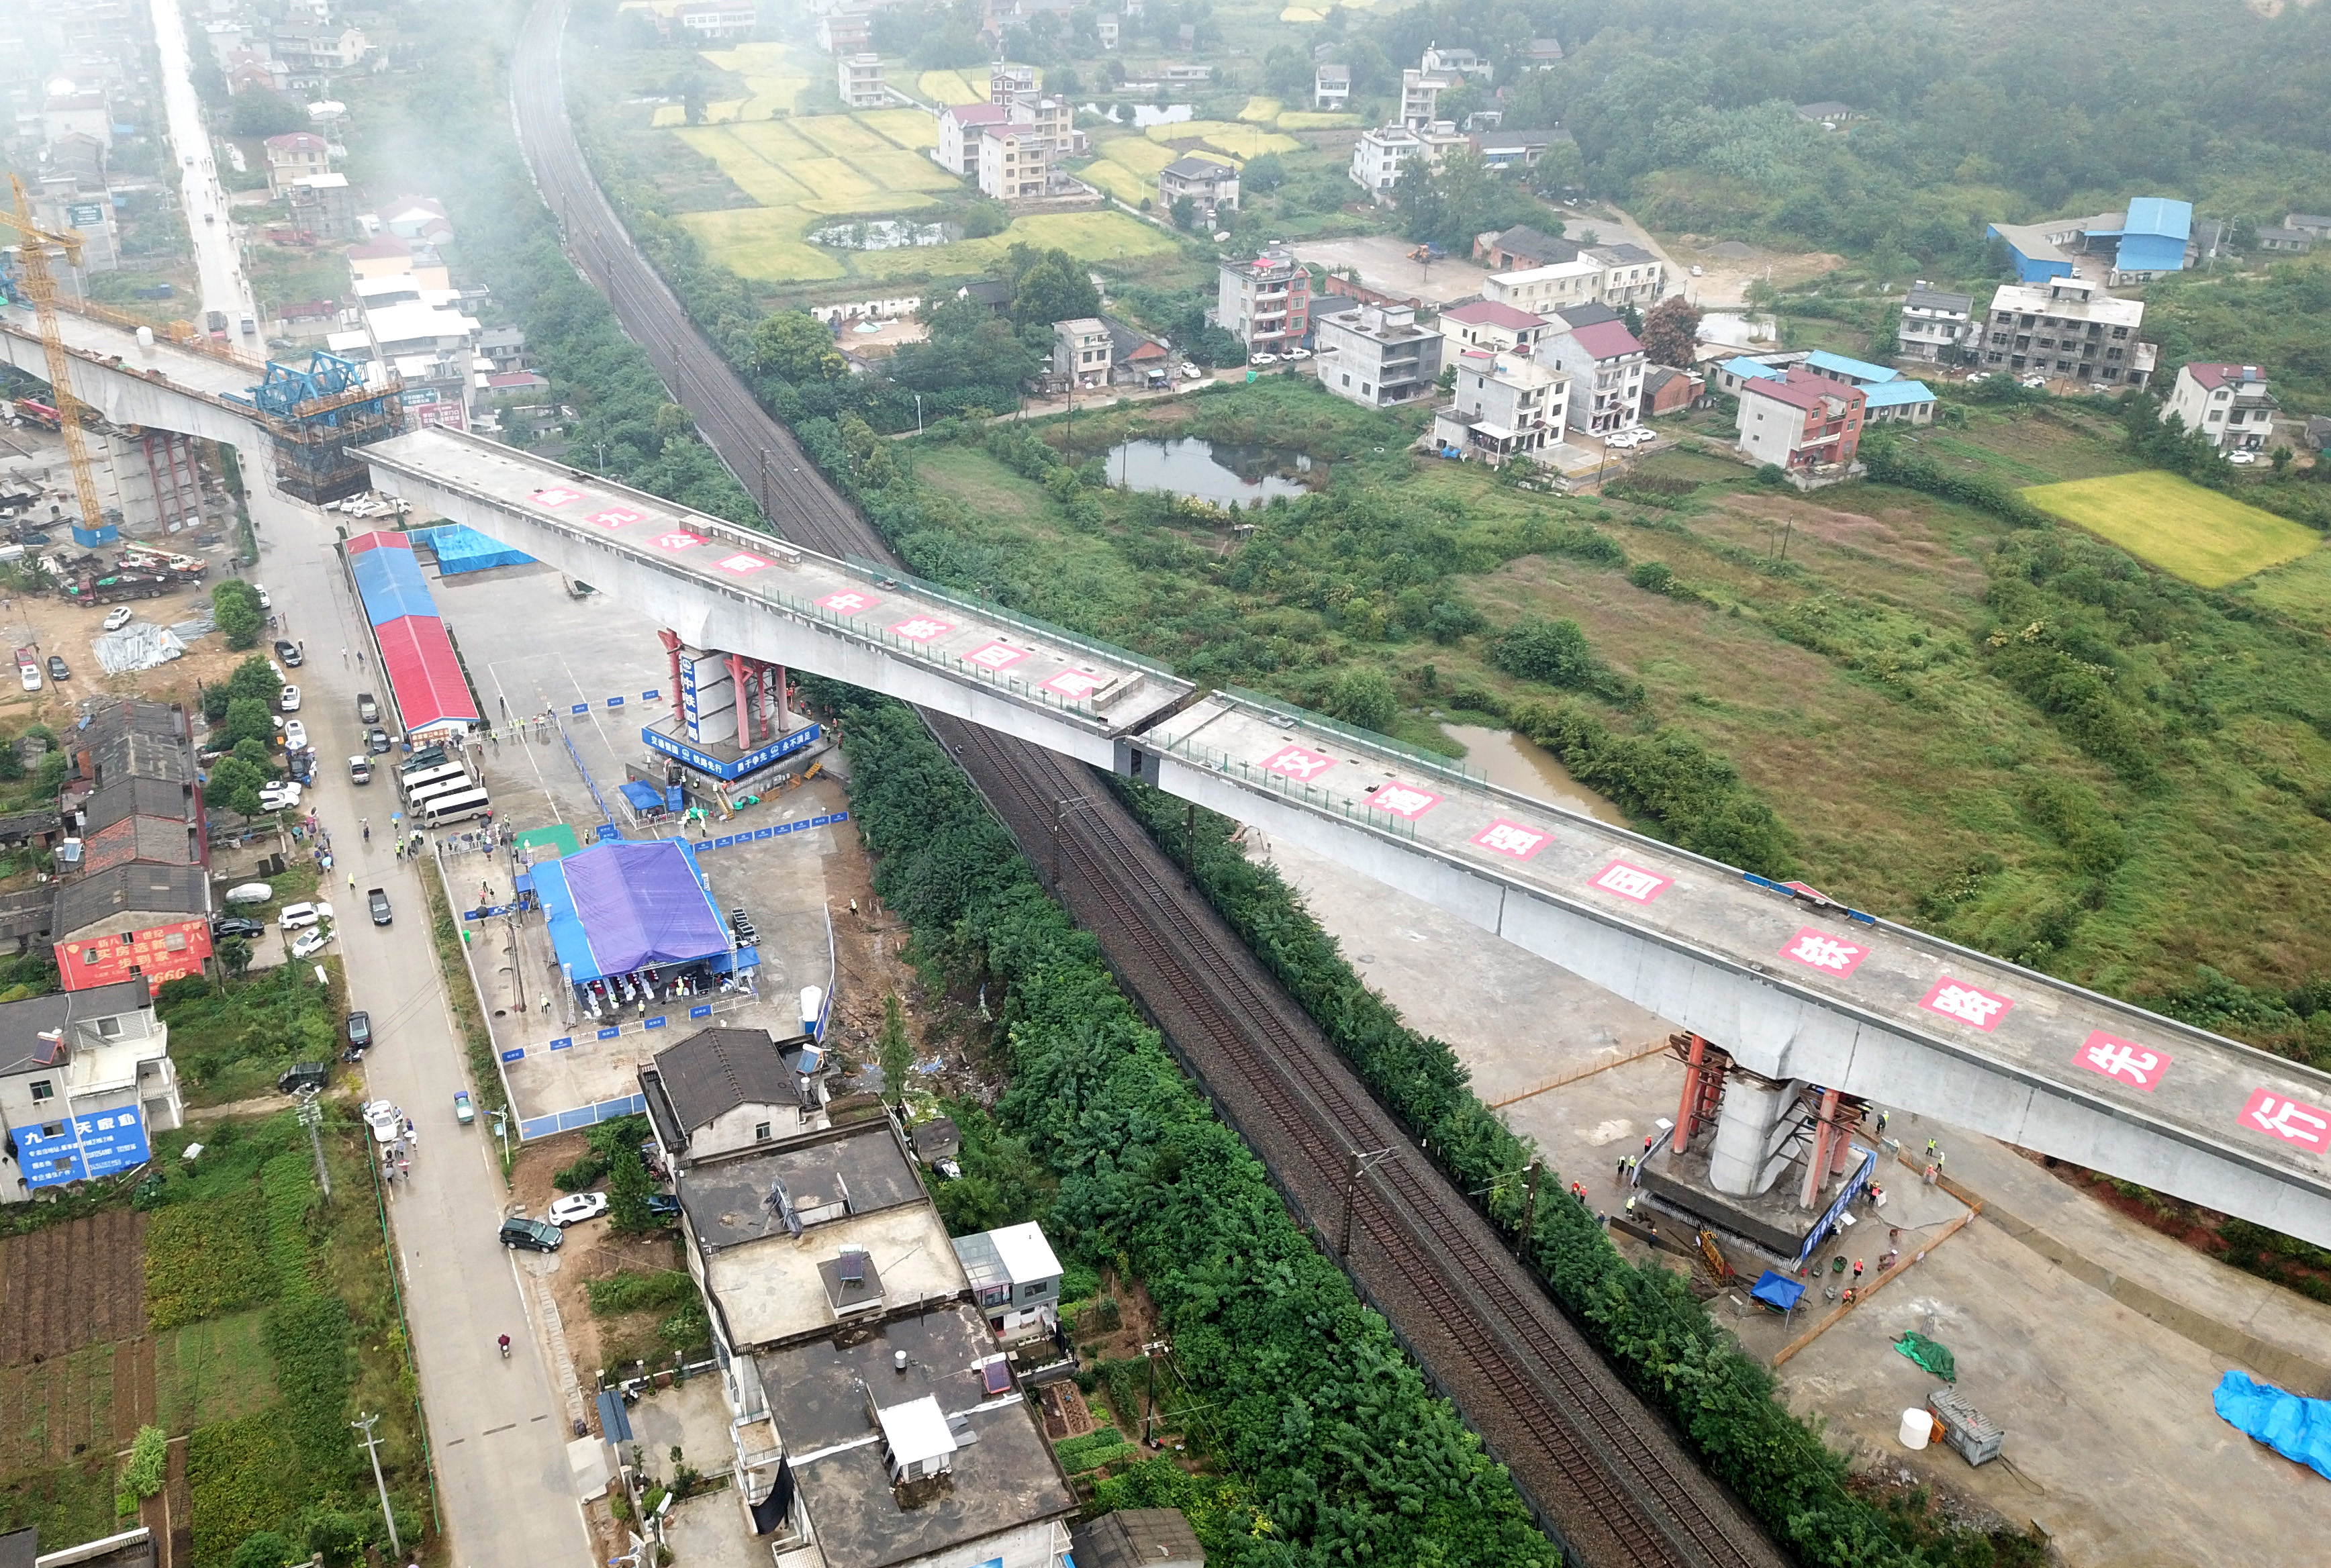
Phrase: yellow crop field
(746, 167)
(1086, 236)
(908, 127)
(1302, 16)
(1240, 141)
(896, 169)
(1261, 111)
(1307, 119)
(946, 87)
(1139, 153)
(832, 178)
(1118, 181)
(775, 140)
(2207, 538)
(670, 115)
(766, 243)
(772, 76)
(840, 134)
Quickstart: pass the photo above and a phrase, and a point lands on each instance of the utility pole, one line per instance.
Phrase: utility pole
(1151, 1352)
(372, 1447)
(1061, 809)
(1529, 1211)
(311, 1116)
(1360, 1164)
(1190, 844)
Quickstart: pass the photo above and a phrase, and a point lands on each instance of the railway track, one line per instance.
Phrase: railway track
(1605, 1475)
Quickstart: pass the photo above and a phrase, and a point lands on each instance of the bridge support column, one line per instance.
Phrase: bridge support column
(1703, 1089)
(1827, 1143)
(1753, 1111)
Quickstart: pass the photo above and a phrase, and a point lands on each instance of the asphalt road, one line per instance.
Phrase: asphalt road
(499, 1429)
(216, 257)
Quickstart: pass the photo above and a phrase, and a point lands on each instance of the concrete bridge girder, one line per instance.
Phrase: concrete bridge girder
(1773, 1029)
(126, 396)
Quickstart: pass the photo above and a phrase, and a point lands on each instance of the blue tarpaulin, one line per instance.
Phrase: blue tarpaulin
(618, 906)
(2297, 1429)
(643, 797)
(1777, 1290)
(464, 549)
(389, 582)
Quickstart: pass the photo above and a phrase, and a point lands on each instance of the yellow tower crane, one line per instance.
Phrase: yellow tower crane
(40, 285)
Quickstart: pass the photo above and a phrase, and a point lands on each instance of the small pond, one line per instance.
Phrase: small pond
(883, 234)
(1144, 114)
(1512, 762)
(1206, 470)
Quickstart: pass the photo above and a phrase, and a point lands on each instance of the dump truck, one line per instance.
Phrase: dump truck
(88, 588)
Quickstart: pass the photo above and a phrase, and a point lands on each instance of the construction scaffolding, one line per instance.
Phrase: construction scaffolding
(320, 413)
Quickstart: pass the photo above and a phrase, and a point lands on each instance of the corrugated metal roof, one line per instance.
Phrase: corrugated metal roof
(424, 673)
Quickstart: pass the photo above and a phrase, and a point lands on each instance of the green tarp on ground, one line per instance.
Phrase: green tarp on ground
(558, 838)
(1935, 1358)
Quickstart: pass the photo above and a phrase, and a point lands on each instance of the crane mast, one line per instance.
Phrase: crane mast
(40, 284)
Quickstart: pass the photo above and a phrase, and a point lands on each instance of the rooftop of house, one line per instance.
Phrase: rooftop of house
(1937, 299)
(1804, 389)
(1389, 323)
(1622, 254)
(1138, 1538)
(23, 1023)
(121, 799)
(1493, 313)
(1897, 394)
(1593, 313)
(2073, 297)
(1827, 108)
(1749, 369)
(715, 1070)
(969, 114)
(1013, 1255)
(133, 739)
(1129, 343)
(851, 1187)
(1002, 1473)
(2160, 216)
(1521, 240)
(1857, 369)
(141, 888)
(1333, 75)
(1606, 339)
(1199, 168)
(302, 141)
(2216, 376)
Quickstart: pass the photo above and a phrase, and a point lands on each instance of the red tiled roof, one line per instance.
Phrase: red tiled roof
(979, 113)
(1607, 340)
(1803, 390)
(1493, 313)
(2216, 376)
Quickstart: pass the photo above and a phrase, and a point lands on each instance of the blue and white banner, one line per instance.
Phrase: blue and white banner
(776, 831)
(751, 762)
(92, 1144)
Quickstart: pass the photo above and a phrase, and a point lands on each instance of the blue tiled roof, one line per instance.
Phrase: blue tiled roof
(1751, 370)
(1856, 369)
(2159, 215)
(1895, 393)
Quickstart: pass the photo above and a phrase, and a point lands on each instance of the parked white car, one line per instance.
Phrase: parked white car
(311, 943)
(118, 617)
(294, 916)
(1262, 359)
(295, 736)
(384, 1120)
(2241, 458)
(289, 699)
(576, 1207)
(29, 675)
(279, 796)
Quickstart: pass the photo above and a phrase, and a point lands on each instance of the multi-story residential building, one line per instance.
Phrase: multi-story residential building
(1006, 82)
(1012, 162)
(1082, 351)
(2229, 403)
(1331, 87)
(1377, 157)
(1933, 325)
(1052, 120)
(2066, 327)
(1378, 356)
(85, 1082)
(313, 48)
(1605, 364)
(960, 127)
(1214, 186)
(1015, 1278)
(723, 1090)
(1265, 303)
(1420, 95)
(295, 155)
(1630, 274)
(1458, 63)
(716, 21)
(1543, 54)
(1493, 326)
(1502, 407)
(1806, 424)
(1106, 29)
(69, 108)
(858, 79)
(1546, 290)
(845, 31)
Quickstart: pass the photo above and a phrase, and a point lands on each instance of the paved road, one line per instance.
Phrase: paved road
(500, 1429)
(223, 286)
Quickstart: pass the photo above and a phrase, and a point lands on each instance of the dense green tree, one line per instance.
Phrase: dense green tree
(263, 112)
(1049, 286)
(1365, 697)
(234, 605)
(627, 1194)
(1671, 331)
(247, 718)
(895, 1051)
(235, 784)
(797, 347)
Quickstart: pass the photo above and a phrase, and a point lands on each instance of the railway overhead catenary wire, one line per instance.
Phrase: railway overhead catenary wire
(1606, 1476)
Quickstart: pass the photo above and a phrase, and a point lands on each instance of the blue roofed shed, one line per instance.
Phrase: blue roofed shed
(1853, 372)
(1900, 401)
(2153, 236)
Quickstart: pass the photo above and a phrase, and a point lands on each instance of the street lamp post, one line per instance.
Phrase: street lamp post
(372, 1447)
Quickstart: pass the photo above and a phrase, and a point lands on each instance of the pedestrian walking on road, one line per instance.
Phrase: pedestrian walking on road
(1857, 1271)
(1618, 1175)
(352, 881)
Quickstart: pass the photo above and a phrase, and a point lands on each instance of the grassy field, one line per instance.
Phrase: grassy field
(949, 87)
(2203, 537)
(1852, 685)
(2300, 591)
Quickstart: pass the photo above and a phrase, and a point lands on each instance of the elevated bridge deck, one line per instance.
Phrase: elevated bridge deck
(1792, 986)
